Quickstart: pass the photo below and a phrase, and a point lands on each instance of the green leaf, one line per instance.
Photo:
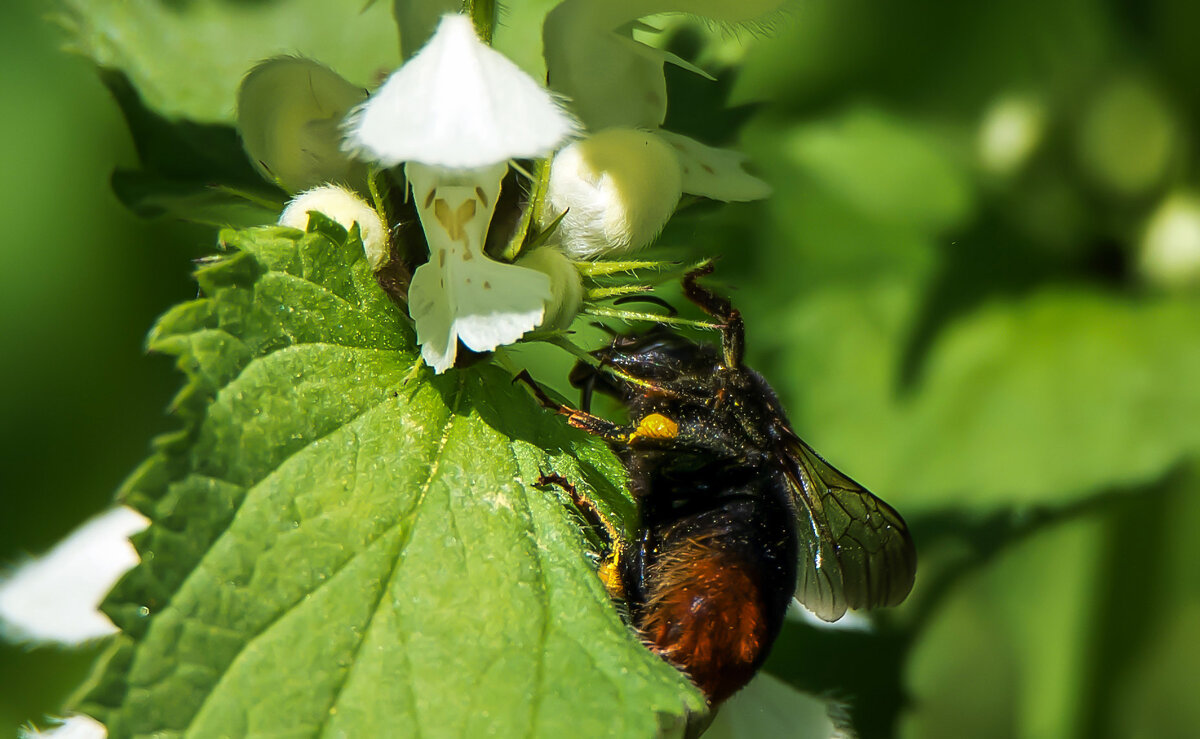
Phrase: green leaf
(162, 44)
(344, 544)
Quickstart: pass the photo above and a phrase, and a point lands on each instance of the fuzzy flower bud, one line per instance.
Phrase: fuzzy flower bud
(617, 190)
(346, 208)
(566, 288)
(289, 111)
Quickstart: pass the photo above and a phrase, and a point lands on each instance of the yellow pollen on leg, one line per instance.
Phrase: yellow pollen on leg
(655, 426)
(610, 575)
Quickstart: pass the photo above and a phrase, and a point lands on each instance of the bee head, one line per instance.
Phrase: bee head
(660, 356)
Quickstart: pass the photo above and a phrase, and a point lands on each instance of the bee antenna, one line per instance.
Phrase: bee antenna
(585, 394)
(652, 299)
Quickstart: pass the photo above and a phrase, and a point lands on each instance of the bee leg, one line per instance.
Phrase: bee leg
(575, 417)
(612, 563)
(733, 332)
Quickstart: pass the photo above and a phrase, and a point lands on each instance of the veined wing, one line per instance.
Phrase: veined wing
(855, 550)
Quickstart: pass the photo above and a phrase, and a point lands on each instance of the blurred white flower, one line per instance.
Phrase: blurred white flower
(347, 209)
(455, 113)
(289, 111)
(56, 597)
(72, 727)
(1170, 246)
(1011, 129)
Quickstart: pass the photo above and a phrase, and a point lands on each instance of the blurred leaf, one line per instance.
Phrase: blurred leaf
(161, 44)
(154, 197)
(518, 34)
(1006, 392)
(769, 707)
(1158, 699)
(929, 55)
(344, 543)
(190, 172)
(892, 171)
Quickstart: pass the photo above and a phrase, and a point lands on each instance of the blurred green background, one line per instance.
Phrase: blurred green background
(977, 290)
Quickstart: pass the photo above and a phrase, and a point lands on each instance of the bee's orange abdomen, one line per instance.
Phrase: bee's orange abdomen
(705, 614)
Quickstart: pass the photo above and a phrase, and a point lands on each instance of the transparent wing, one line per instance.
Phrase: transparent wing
(855, 550)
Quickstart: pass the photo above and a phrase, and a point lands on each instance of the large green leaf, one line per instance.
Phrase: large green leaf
(344, 544)
(186, 57)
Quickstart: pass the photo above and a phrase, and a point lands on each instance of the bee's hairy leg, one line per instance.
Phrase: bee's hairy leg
(612, 562)
(733, 331)
(575, 417)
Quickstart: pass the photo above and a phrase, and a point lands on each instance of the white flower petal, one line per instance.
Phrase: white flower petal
(347, 209)
(457, 103)
(429, 305)
(484, 303)
(460, 293)
(496, 304)
(72, 727)
(289, 111)
(617, 189)
(56, 597)
(714, 173)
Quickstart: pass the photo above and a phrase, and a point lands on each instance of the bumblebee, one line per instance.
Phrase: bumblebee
(738, 514)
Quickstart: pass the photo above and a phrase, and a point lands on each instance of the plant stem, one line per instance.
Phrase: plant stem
(483, 15)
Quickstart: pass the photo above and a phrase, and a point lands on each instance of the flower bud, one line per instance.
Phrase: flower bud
(346, 208)
(617, 189)
(289, 112)
(566, 288)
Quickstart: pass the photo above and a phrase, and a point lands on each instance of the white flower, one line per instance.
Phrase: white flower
(289, 111)
(56, 597)
(460, 294)
(455, 113)
(72, 727)
(345, 208)
(460, 104)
